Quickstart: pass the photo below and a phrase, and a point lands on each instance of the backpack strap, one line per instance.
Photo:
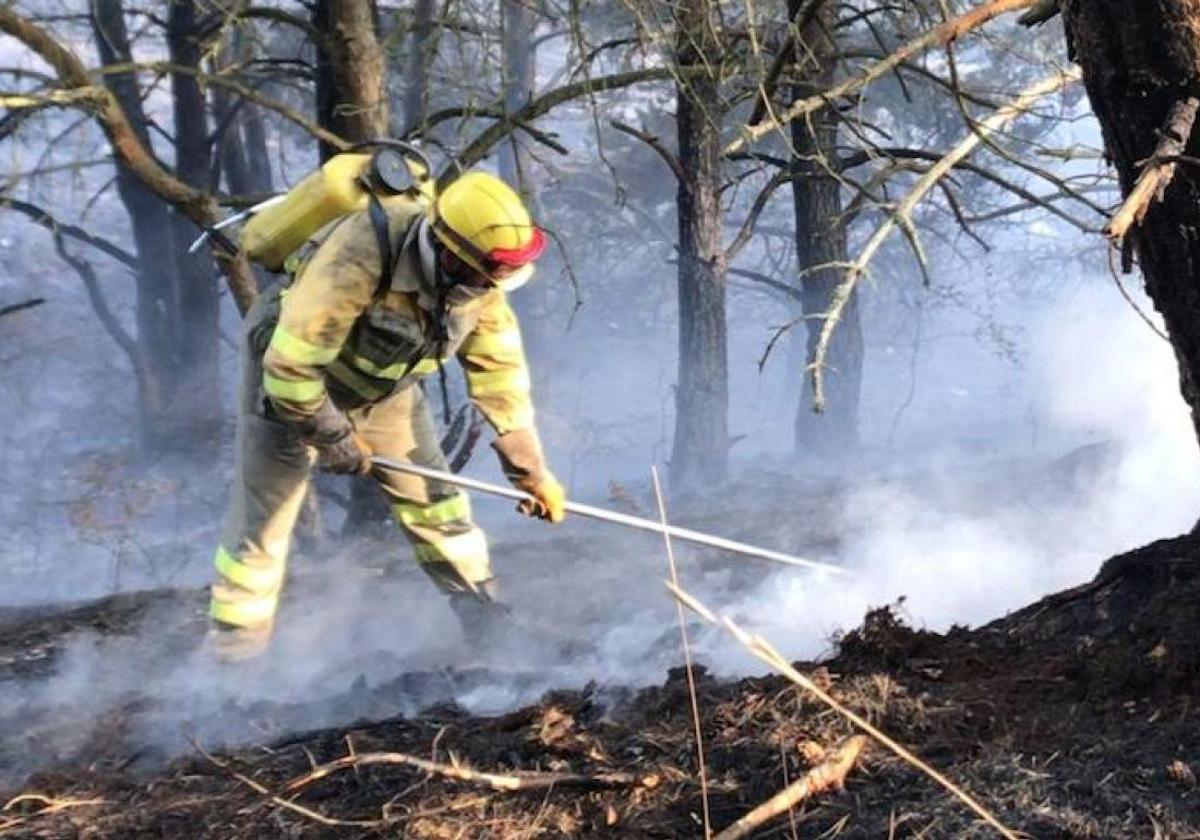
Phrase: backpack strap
(383, 236)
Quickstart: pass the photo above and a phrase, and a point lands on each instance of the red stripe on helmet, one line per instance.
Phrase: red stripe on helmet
(517, 257)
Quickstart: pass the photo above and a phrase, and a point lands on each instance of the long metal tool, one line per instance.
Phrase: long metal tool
(612, 516)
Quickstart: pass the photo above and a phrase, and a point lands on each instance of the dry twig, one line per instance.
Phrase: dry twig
(50, 806)
(902, 215)
(512, 781)
(1159, 170)
(687, 659)
(943, 34)
(829, 775)
(279, 801)
(764, 650)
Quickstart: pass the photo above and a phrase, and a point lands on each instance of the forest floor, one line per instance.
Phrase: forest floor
(1072, 718)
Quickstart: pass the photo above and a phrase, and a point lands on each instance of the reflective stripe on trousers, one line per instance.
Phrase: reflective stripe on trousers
(272, 477)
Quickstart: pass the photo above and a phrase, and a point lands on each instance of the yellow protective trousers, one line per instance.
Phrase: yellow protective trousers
(272, 476)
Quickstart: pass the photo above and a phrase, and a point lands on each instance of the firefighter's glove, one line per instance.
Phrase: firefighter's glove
(339, 448)
(348, 455)
(521, 458)
(548, 502)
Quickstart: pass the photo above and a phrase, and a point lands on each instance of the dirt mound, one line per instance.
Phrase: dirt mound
(1072, 718)
(1130, 632)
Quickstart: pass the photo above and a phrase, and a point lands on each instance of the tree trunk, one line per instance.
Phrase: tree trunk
(821, 241)
(350, 102)
(350, 75)
(700, 453)
(157, 282)
(420, 54)
(242, 141)
(253, 129)
(197, 403)
(230, 150)
(1138, 60)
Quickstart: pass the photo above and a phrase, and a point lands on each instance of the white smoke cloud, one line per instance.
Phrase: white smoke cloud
(964, 542)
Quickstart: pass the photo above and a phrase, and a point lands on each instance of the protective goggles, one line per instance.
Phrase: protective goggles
(499, 262)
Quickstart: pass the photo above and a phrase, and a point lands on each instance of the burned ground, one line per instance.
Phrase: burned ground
(1071, 718)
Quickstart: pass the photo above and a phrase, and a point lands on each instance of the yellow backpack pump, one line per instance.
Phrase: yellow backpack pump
(344, 184)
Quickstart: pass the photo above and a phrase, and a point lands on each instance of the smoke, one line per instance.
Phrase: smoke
(963, 540)
(962, 534)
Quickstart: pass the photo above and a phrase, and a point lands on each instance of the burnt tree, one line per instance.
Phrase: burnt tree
(1141, 66)
(821, 249)
(700, 453)
(350, 72)
(157, 282)
(1139, 62)
(352, 104)
(197, 401)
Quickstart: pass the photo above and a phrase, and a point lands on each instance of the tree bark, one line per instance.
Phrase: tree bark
(419, 56)
(250, 121)
(700, 453)
(1138, 60)
(157, 298)
(197, 403)
(821, 241)
(350, 73)
(350, 103)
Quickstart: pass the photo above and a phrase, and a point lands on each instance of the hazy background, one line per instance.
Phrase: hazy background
(1020, 424)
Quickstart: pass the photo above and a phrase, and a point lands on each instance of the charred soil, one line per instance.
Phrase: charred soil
(1073, 718)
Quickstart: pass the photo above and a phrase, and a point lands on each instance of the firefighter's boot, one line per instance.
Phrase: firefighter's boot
(227, 644)
(485, 621)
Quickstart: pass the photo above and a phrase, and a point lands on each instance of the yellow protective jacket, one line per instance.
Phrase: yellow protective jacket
(343, 336)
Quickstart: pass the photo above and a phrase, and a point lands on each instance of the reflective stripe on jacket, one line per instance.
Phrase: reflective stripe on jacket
(338, 337)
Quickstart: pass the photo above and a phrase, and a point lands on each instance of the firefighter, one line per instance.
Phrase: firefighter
(330, 376)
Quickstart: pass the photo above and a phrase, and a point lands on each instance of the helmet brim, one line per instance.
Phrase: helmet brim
(515, 280)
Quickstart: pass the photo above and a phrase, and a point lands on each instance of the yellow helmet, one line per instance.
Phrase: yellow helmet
(484, 223)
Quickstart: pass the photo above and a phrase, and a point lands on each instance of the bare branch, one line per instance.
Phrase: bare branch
(1159, 170)
(770, 282)
(196, 205)
(902, 215)
(250, 94)
(654, 143)
(21, 307)
(62, 98)
(943, 34)
(786, 55)
(760, 203)
(56, 227)
(478, 148)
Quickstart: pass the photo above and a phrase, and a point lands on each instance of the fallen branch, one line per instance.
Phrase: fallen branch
(764, 650)
(939, 35)
(50, 806)
(279, 801)
(1158, 172)
(829, 775)
(508, 782)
